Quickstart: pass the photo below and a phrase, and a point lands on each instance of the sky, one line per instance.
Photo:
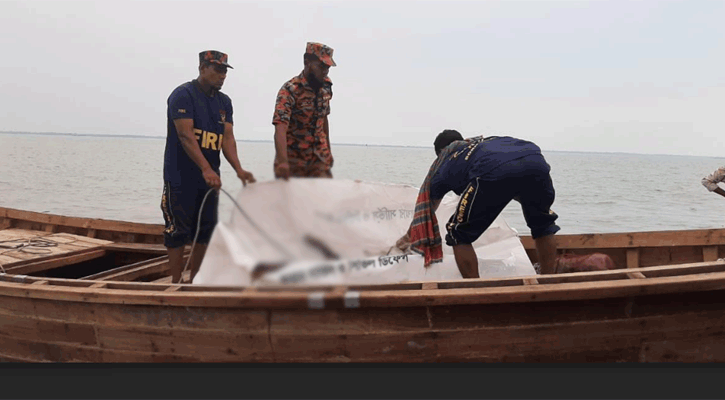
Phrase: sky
(604, 76)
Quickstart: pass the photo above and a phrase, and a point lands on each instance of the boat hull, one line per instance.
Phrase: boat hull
(663, 304)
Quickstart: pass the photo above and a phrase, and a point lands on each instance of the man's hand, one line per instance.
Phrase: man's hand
(282, 171)
(212, 179)
(403, 244)
(246, 176)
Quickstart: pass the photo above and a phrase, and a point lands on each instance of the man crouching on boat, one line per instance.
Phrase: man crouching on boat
(487, 172)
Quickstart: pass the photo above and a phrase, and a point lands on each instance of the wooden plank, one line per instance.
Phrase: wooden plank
(356, 347)
(700, 237)
(207, 346)
(61, 238)
(40, 283)
(167, 279)
(709, 253)
(35, 351)
(636, 275)
(8, 259)
(149, 316)
(88, 223)
(429, 286)
(155, 267)
(91, 233)
(633, 258)
(50, 331)
(598, 337)
(19, 262)
(5, 223)
(690, 350)
(98, 285)
(38, 266)
(124, 268)
(531, 281)
(140, 248)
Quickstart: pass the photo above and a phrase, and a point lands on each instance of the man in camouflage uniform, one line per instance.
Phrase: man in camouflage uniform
(301, 128)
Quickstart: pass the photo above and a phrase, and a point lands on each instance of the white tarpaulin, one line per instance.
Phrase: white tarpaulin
(359, 221)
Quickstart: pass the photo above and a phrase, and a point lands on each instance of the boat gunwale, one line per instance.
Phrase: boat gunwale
(638, 239)
(592, 285)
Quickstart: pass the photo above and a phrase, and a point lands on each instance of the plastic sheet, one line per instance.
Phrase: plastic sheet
(355, 226)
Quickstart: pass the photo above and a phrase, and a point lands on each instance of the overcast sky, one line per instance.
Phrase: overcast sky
(624, 76)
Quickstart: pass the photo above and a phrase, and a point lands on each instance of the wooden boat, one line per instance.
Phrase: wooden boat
(98, 291)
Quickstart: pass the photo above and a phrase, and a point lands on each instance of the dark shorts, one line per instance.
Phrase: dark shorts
(525, 180)
(180, 206)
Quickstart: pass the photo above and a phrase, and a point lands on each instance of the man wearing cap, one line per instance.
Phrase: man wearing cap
(487, 172)
(199, 125)
(301, 128)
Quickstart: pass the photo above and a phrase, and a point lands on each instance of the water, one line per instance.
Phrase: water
(121, 178)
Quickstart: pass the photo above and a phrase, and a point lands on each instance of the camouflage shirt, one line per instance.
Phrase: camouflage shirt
(711, 181)
(304, 111)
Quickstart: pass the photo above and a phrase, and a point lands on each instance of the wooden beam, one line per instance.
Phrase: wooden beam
(709, 253)
(89, 223)
(699, 237)
(124, 268)
(531, 281)
(155, 267)
(632, 258)
(140, 248)
(59, 260)
(429, 286)
(636, 275)
(5, 223)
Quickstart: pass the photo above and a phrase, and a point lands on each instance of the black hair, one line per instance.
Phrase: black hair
(445, 138)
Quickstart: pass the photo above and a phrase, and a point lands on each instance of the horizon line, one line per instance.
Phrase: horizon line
(339, 144)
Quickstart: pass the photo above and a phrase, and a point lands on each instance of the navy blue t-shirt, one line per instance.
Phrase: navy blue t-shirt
(467, 162)
(209, 113)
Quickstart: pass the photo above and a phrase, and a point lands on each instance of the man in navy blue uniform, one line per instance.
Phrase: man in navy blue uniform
(199, 125)
(487, 172)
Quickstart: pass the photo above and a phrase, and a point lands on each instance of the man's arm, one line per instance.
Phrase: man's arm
(283, 106)
(711, 181)
(185, 130)
(229, 148)
(281, 170)
(327, 135)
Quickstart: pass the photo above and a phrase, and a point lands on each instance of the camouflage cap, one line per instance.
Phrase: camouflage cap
(322, 52)
(213, 56)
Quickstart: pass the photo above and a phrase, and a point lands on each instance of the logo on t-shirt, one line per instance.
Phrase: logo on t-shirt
(224, 116)
(182, 111)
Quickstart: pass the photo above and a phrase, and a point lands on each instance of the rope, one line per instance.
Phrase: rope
(198, 227)
(34, 245)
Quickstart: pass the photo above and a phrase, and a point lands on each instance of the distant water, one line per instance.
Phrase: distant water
(121, 178)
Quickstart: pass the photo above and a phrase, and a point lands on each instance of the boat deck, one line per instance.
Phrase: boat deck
(21, 245)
